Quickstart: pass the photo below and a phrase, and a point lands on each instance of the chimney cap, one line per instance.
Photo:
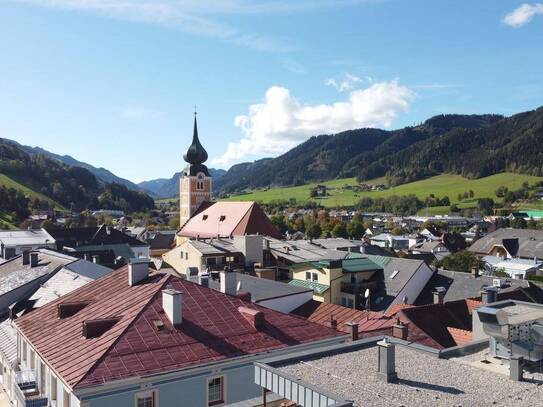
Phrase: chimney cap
(171, 291)
(138, 260)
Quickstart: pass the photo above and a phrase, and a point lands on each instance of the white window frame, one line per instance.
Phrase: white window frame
(146, 393)
(224, 397)
(307, 276)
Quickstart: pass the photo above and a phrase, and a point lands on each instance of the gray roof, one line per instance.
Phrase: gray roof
(397, 272)
(14, 274)
(214, 246)
(26, 237)
(88, 269)
(262, 289)
(530, 242)
(300, 251)
(334, 243)
(424, 380)
(62, 283)
(460, 286)
(8, 341)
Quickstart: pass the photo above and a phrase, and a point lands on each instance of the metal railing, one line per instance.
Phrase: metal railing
(26, 390)
(358, 287)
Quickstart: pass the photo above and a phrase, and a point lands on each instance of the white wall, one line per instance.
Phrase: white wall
(414, 286)
(289, 303)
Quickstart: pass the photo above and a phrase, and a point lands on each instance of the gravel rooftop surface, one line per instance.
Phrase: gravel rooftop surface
(424, 380)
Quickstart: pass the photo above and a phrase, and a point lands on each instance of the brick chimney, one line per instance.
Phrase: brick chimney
(244, 296)
(26, 257)
(172, 304)
(489, 295)
(255, 317)
(353, 329)
(400, 330)
(333, 322)
(34, 259)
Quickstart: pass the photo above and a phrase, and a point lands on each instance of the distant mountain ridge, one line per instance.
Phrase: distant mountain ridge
(169, 187)
(470, 145)
(102, 174)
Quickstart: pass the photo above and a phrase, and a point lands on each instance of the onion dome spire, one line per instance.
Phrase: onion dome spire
(196, 154)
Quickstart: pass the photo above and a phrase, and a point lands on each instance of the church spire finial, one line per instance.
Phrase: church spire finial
(196, 153)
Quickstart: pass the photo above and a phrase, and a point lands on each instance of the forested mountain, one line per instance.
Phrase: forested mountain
(471, 145)
(169, 187)
(104, 176)
(71, 186)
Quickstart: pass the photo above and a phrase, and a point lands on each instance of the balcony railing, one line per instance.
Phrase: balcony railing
(359, 287)
(26, 390)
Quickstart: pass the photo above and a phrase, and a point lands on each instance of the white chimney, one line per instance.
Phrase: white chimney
(228, 282)
(138, 270)
(172, 304)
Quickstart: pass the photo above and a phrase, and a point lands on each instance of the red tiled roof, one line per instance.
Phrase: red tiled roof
(396, 308)
(321, 313)
(460, 336)
(212, 330)
(238, 218)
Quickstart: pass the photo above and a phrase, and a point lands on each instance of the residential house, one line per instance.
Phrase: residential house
(15, 242)
(140, 338)
(435, 248)
(53, 276)
(160, 242)
(510, 243)
(403, 281)
(455, 285)
(398, 243)
(104, 245)
(267, 293)
(338, 281)
(514, 268)
(206, 255)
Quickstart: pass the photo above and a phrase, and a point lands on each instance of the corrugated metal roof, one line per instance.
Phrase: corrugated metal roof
(355, 265)
(8, 341)
(316, 287)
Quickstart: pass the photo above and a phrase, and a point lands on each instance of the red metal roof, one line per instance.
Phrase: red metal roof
(212, 330)
(321, 313)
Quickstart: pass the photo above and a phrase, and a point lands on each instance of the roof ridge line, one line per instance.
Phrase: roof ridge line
(166, 277)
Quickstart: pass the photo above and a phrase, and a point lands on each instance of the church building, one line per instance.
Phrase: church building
(195, 181)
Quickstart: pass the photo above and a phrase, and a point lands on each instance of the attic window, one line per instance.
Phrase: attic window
(94, 328)
(394, 274)
(222, 218)
(68, 309)
(204, 217)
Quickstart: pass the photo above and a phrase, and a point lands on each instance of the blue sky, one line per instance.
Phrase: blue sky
(114, 82)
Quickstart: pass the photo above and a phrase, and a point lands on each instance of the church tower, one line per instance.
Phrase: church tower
(195, 181)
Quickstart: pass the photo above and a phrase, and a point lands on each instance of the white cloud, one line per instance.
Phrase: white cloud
(349, 82)
(281, 121)
(523, 14)
(139, 113)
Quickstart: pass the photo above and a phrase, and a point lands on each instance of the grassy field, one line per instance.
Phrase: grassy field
(6, 222)
(11, 183)
(441, 185)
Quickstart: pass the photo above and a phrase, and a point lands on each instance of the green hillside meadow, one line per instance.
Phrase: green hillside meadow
(11, 183)
(440, 185)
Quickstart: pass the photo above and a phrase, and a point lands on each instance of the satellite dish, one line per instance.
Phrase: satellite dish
(367, 293)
